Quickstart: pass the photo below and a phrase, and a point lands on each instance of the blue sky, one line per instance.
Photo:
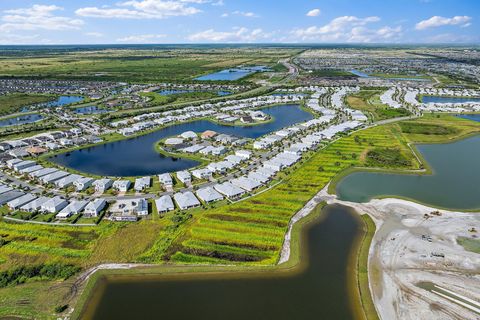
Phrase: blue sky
(239, 21)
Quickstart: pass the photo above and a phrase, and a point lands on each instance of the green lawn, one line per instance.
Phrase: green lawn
(14, 102)
(368, 100)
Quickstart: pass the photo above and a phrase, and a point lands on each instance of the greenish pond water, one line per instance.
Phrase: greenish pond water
(454, 184)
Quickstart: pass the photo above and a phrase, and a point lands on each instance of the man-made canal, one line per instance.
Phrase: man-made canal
(453, 184)
(137, 157)
(316, 290)
(439, 99)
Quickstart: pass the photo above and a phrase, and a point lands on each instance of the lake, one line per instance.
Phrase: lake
(231, 74)
(16, 121)
(439, 99)
(316, 290)
(470, 116)
(137, 157)
(90, 110)
(454, 183)
(169, 92)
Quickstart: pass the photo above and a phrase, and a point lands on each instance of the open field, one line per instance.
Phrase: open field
(139, 65)
(14, 102)
(369, 101)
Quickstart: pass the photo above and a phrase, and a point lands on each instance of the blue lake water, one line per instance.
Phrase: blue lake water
(359, 73)
(62, 101)
(90, 110)
(30, 118)
(231, 74)
(137, 157)
(439, 99)
(473, 117)
(175, 91)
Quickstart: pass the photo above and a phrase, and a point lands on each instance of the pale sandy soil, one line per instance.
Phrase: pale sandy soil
(400, 259)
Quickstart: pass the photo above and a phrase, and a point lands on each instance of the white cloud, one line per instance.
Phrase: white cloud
(437, 21)
(240, 34)
(37, 17)
(146, 9)
(241, 13)
(142, 38)
(94, 34)
(313, 13)
(348, 29)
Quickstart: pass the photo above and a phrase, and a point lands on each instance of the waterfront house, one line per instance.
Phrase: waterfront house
(202, 173)
(184, 177)
(83, 183)
(122, 185)
(50, 178)
(102, 185)
(166, 180)
(142, 183)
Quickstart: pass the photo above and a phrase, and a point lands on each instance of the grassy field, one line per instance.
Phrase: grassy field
(139, 65)
(368, 100)
(14, 102)
(246, 233)
(470, 244)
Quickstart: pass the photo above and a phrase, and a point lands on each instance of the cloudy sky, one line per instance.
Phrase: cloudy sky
(239, 21)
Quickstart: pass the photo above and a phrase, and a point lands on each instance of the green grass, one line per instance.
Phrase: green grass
(368, 100)
(171, 64)
(470, 244)
(332, 73)
(14, 102)
(366, 300)
(425, 129)
(386, 157)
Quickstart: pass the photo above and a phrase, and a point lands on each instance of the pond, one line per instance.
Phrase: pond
(359, 73)
(90, 110)
(232, 74)
(454, 183)
(16, 121)
(316, 290)
(470, 116)
(137, 157)
(440, 99)
(169, 92)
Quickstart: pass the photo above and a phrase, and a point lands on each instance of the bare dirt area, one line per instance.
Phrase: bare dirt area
(417, 269)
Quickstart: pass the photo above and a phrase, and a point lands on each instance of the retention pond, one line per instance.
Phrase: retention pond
(453, 184)
(318, 289)
(137, 156)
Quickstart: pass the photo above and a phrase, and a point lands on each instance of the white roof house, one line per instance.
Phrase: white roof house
(243, 153)
(12, 162)
(31, 169)
(164, 204)
(246, 183)
(258, 177)
(234, 159)
(202, 173)
(67, 180)
(54, 205)
(173, 141)
(229, 190)
(23, 164)
(184, 177)
(209, 194)
(102, 185)
(49, 178)
(4, 189)
(18, 202)
(121, 185)
(129, 208)
(42, 172)
(83, 183)
(186, 200)
(34, 205)
(75, 207)
(189, 135)
(165, 179)
(93, 208)
(142, 183)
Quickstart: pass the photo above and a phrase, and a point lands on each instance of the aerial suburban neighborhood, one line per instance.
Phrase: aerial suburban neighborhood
(318, 163)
